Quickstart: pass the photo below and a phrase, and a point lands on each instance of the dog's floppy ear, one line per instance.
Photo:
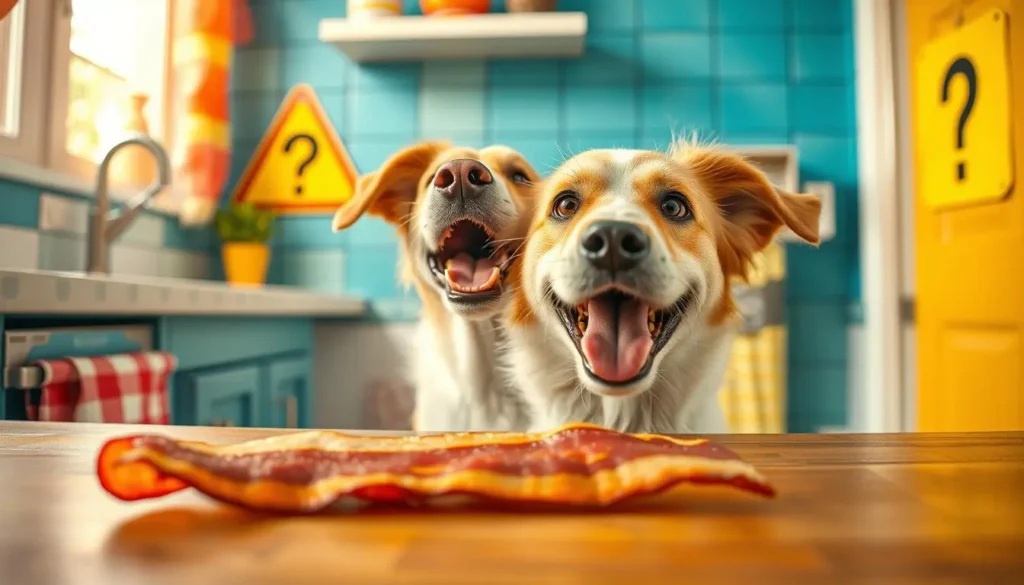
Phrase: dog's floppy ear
(754, 210)
(390, 191)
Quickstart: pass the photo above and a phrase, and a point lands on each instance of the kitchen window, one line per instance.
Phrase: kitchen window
(110, 74)
(76, 76)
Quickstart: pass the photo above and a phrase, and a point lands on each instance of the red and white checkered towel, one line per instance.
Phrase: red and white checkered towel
(120, 388)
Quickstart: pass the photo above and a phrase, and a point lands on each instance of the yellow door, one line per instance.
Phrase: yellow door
(969, 240)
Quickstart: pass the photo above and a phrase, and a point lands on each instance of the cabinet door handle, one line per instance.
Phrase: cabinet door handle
(291, 412)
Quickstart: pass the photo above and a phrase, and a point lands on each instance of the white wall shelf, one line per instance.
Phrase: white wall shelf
(485, 36)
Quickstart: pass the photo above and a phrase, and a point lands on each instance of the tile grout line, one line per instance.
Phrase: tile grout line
(715, 81)
(639, 82)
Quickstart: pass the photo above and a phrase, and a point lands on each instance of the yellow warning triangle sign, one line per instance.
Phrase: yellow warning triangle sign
(300, 165)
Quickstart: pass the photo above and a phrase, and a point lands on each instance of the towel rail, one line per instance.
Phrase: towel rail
(23, 377)
(23, 348)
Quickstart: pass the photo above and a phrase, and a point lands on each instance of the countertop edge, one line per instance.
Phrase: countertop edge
(27, 292)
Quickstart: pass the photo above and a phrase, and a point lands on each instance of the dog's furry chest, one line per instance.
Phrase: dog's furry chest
(458, 385)
(683, 400)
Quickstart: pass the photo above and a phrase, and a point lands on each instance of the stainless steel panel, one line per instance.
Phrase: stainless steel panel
(19, 344)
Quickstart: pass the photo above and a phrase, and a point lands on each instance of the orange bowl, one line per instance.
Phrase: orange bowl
(454, 7)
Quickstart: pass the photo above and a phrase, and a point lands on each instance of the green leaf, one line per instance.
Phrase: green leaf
(243, 222)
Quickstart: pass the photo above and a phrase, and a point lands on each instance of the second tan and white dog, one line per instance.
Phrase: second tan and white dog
(621, 312)
(459, 215)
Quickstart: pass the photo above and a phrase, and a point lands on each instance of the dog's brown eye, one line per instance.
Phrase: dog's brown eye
(520, 178)
(674, 207)
(566, 205)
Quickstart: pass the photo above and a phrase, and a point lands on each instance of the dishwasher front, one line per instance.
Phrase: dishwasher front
(22, 380)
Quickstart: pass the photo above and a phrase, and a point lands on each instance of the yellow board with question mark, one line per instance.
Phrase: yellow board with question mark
(963, 98)
(300, 165)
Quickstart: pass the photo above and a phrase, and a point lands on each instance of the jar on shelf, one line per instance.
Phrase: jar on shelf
(454, 7)
(371, 9)
(531, 5)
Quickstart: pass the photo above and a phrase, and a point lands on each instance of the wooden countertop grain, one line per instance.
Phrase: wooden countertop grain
(911, 509)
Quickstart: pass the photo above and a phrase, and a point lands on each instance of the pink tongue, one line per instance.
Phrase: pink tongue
(617, 341)
(470, 272)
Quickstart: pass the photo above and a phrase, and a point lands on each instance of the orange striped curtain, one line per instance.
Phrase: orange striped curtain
(204, 34)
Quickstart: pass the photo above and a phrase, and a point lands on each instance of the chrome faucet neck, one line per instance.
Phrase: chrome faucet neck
(105, 228)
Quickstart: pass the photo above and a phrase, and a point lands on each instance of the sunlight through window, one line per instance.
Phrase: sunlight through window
(117, 73)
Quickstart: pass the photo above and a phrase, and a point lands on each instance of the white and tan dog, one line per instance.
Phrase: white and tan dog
(621, 312)
(459, 214)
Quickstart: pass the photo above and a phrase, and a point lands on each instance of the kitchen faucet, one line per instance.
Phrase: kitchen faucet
(105, 226)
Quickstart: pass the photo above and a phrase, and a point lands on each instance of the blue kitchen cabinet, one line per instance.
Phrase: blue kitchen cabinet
(290, 390)
(229, 397)
(254, 372)
(25, 340)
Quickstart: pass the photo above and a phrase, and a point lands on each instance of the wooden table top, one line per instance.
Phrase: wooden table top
(880, 509)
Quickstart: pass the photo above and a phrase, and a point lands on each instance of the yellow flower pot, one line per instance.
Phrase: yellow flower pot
(245, 263)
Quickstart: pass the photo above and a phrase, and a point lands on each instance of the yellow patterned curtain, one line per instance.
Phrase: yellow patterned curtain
(753, 395)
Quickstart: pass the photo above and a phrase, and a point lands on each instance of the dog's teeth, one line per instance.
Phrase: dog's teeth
(455, 286)
(451, 281)
(492, 281)
(447, 265)
(582, 318)
(654, 324)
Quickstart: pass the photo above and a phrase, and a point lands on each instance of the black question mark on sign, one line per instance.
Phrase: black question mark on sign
(962, 66)
(313, 149)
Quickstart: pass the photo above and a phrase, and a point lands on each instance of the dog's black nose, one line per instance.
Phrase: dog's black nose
(462, 178)
(615, 246)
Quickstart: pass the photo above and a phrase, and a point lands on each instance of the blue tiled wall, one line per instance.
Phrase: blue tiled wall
(156, 244)
(744, 71)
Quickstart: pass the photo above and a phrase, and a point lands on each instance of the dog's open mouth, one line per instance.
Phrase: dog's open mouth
(618, 335)
(469, 264)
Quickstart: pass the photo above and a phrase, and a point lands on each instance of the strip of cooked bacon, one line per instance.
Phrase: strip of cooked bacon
(578, 464)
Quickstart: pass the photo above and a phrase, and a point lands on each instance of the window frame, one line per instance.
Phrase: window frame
(30, 145)
(58, 158)
(38, 154)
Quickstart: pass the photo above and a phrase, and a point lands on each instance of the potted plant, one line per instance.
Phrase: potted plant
(244, 231)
